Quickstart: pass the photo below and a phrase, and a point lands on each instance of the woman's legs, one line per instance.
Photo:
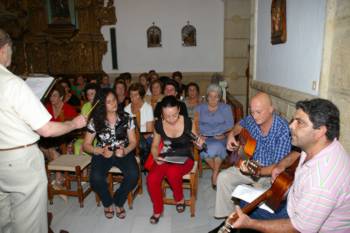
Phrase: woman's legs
(98, 178)
(216, 169)
(128, 166)
(154, 185)
(174, 176)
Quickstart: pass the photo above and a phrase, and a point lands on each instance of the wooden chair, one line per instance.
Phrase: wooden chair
(115, 175)
(190, 181)
(72, 167)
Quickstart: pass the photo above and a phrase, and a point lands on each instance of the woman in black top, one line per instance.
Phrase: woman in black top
(116, 141)
(174, 131)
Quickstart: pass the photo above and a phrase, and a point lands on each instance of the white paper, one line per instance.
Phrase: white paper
(39, 85)
(249, 193)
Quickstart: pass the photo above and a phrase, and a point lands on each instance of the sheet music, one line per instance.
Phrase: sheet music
(39, 85)
(249, 193)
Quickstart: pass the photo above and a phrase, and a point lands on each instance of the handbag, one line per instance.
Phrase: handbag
(150, 161)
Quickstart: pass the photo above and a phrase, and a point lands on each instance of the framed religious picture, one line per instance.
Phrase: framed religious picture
(188, 35)
(154, 36)
(278, 22)
(61, 12)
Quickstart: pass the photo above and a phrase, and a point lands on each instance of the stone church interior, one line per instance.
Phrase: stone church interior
(213, 53)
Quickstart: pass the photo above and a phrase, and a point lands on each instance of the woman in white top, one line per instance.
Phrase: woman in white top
(143, 112)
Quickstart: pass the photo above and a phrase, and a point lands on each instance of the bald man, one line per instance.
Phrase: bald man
(272, 135)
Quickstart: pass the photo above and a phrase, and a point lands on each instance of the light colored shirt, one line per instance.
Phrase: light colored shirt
(214, 123)
(319, 199)
(146, 115)
(21, 112)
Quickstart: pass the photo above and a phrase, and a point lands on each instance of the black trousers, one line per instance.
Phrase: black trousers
(98, 177)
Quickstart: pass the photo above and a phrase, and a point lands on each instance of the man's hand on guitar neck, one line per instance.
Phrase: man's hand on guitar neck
(243, 220)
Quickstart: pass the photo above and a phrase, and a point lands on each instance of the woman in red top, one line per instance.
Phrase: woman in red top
(60, 111)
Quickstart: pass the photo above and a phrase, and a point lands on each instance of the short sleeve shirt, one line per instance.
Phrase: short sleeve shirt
(112, 135)
(319, 199)
(275, 145)
(146, 113)
(214, 123)
(21, 112)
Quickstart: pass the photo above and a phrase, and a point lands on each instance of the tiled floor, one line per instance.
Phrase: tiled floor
(90, 219)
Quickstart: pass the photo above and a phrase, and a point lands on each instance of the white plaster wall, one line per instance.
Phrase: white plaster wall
(295, 64)
(135, 16)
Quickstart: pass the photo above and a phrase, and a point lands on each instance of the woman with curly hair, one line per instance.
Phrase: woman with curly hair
(116, 141)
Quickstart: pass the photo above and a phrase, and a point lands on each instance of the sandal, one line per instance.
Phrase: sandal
(180, 207)
(154, 220)
(109, 213)
(121, 213)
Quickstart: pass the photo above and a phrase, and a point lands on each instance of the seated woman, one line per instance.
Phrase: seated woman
(143, 113)
(69, 97)
(116, 141)
(120, 89)
(173, 129)
(157, 93)
(192, 98)
(90, 91)
(78, 88)
(144, 81)
(214, 120)
(60, 111)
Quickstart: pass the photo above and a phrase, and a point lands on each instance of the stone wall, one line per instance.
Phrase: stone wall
(236, 41)
(335, 72)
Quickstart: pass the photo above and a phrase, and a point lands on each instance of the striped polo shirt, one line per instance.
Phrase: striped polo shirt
(319, 199)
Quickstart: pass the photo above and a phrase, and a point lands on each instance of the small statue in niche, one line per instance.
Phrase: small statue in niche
(188, 34)
(154, 36)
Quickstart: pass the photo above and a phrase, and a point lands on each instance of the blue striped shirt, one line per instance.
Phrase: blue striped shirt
(275, 145)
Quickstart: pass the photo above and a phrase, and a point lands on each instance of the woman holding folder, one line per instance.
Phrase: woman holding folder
(174, 131)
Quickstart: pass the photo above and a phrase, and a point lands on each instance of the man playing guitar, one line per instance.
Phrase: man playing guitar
(318, 200)
(273, 142)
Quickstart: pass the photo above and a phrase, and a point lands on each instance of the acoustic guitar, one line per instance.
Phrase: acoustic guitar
(244, 153)
(272, 197)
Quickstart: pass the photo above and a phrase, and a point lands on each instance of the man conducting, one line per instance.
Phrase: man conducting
(23, 181)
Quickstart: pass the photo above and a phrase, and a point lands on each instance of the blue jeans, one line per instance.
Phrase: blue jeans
(262, 214)
(98, 177)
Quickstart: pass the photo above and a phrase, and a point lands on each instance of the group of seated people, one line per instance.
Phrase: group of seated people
(162, 110)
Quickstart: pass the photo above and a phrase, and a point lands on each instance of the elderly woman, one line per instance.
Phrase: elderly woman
(173, 129)
(143, 113)
(116, 141)
(214, 119)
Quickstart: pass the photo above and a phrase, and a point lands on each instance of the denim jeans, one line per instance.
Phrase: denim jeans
(98, 177)
(262, 214)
